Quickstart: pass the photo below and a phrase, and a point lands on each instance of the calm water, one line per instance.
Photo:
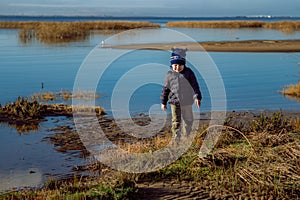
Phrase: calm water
(251, 80)
(160, 20)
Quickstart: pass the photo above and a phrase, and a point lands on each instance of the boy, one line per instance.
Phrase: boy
(181, 90)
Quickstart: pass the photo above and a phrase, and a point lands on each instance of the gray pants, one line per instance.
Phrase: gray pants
(181, 114)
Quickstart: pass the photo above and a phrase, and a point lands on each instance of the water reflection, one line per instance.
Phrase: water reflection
(29, 159)
(25, 128)
(31, 36)
(16, 179)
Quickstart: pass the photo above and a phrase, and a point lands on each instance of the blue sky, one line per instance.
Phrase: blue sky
(198, 8)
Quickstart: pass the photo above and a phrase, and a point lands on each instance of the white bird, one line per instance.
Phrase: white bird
(102, 43)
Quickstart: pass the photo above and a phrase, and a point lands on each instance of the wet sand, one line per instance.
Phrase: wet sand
(224, 46)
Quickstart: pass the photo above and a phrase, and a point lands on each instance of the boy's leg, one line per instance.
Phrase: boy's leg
(188, 118)
(176, 119)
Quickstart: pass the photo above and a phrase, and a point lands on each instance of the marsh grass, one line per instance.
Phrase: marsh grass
(285, 26)
(265, 165)
(292, 90)
(53, 32)
(30, 111)
(24, 108)
(65, 95)
(216, 24)
(260, 163)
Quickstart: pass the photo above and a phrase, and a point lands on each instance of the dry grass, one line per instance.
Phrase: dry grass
(65, 95)
(292, 90)
(72, 26)
(286, 26)
(256, 164)
(50, 32)
(216, 24)
(262, 162)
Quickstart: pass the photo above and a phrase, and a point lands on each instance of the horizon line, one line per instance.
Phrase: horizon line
(114, 16)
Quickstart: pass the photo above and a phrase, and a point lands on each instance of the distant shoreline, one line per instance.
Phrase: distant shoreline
(223, 46)
(158, 17)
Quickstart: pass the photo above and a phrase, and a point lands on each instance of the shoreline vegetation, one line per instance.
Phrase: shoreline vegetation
(256, 156)
(285, 26)
(292, 91)
(25, 114)
(55, 32)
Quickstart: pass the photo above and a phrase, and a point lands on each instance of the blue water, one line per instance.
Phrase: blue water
(251, 82)
(159, 20)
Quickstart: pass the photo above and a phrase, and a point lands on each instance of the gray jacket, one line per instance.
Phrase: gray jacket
(180, 88)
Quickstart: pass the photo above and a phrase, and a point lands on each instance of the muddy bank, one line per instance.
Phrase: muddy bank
(66, 138)
(26, 115)
(224, 46)
(241, 165)
(272, 140)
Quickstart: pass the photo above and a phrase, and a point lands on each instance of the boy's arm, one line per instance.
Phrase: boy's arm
(164, 95)
(165, 91)
(195, 86)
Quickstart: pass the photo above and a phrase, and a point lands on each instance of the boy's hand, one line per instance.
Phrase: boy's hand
(198, 102)
(163, 107)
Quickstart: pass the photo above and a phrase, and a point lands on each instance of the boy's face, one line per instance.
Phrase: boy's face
(177, 67)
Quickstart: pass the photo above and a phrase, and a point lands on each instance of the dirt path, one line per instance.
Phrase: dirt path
(172, 190)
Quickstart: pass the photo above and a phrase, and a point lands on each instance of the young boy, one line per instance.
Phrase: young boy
(181, 90)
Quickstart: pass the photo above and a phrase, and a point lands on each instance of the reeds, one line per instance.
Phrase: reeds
(87, 25)
(64, 95)
(24, 109)
(31, 110)
(292, 90)
(269, 167)
(260, 163)
(216, 24)
(49, 32)
(286, 26)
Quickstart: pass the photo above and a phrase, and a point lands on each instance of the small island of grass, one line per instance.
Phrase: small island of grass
(292, 91)
(285, 26)
(54, 32)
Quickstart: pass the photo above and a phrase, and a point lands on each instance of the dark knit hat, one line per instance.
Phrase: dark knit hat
(178, 56)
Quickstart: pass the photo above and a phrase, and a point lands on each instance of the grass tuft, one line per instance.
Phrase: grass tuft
(292, 90)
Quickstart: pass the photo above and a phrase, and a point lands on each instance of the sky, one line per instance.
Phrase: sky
(167, 8)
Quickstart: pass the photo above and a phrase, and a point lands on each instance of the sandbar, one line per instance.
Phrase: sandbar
(223, 46)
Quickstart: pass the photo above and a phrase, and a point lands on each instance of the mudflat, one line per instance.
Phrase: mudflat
(224, 46)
